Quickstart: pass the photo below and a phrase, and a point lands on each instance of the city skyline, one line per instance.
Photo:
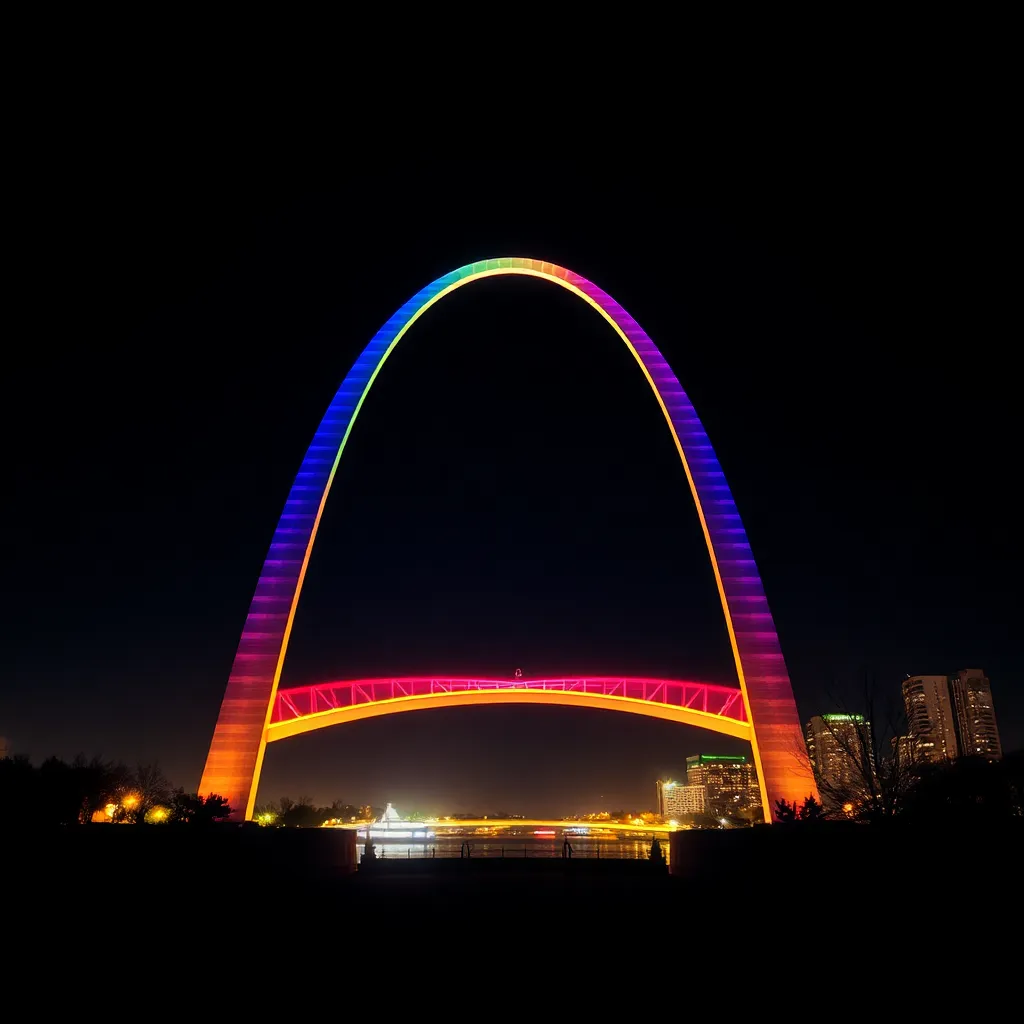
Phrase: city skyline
(504, 517)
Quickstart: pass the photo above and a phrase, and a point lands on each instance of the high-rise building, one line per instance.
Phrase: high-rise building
(977, 731)
(660, 785)
(930, 718)
(677, 799)
(730, 784)
(842, 755)
(903, 750)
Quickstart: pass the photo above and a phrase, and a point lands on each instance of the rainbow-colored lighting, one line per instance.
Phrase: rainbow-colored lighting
(240, 736)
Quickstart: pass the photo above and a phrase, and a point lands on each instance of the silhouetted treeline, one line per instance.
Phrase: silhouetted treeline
(303, 813)
(969, 789)
(60, 793)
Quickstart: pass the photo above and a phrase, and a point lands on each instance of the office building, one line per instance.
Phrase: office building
(977, 732)
(842, 755)
(930, 718)
(730, 784)
(677, 799)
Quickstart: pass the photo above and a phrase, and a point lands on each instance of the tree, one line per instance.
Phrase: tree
(785, 812)
(56, 793)
(342, 811)
(100, 783)
(266, 814)
(18, 803)
(968, 790)
(878, 768)
(303, 814)
(192, 809)
(147, 788)
(701, 819)
(809, 811)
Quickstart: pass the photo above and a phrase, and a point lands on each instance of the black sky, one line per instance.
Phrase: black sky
(510, 497)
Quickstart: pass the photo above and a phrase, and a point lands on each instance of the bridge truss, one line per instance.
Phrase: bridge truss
(707, 705)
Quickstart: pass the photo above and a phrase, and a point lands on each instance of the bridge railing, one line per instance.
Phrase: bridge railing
(710, 698)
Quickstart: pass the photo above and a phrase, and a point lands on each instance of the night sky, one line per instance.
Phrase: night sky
(510, 497)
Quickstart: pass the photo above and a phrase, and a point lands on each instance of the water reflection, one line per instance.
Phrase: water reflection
(519, 847)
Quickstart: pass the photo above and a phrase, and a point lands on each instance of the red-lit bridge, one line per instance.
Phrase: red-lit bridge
(706, 705)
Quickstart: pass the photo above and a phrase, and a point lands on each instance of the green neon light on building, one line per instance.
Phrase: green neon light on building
(695, 758)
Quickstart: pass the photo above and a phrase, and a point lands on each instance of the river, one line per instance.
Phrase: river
(519, 847)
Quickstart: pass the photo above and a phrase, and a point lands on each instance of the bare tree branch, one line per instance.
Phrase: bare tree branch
(877, 763)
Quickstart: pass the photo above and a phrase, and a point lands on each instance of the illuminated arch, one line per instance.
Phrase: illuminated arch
(240, 736)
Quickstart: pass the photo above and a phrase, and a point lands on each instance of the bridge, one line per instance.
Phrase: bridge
(247, 723)
(306, 708)
(454, 824)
